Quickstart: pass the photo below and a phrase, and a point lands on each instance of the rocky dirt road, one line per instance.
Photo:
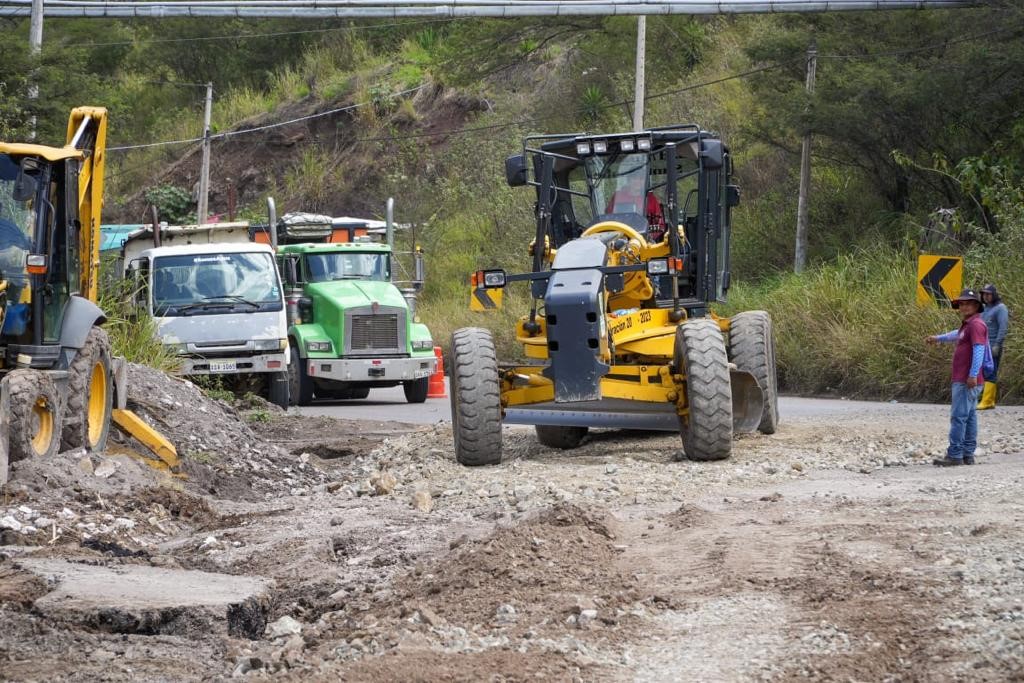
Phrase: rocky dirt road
(314, 548)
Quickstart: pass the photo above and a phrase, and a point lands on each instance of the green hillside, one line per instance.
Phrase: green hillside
(913, 112)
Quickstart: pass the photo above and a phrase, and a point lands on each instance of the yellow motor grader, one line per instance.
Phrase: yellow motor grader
(60, 385)
(631, 248)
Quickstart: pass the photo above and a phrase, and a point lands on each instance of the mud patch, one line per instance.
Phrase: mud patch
(20, 588)
(324, 451)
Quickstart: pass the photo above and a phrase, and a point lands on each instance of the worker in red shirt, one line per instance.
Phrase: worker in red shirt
(968, 378)
(630, 199)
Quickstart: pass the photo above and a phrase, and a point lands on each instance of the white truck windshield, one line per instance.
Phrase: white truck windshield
(190, 284)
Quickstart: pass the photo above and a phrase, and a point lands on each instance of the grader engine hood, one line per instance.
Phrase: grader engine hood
(575, 316)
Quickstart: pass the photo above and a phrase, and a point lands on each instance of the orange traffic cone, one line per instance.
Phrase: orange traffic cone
(436, 387)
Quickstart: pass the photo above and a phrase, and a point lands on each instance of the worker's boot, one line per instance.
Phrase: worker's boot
(988, 397)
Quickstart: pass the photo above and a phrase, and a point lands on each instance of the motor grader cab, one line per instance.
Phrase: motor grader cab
(630, 251)
(59, 379)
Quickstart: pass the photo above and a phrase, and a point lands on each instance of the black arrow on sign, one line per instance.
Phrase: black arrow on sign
(484, 297)
(932, 280)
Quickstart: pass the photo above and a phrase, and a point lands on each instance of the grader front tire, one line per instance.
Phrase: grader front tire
(752, 349)
(700, 355)
(475, 397)
(35, 416)
(90, 398)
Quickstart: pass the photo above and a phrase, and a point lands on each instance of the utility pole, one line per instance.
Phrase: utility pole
(641, 55)
(800, 255)
(204, 173)
(35, 46)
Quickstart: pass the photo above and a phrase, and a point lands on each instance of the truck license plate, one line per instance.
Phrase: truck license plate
(223, 366)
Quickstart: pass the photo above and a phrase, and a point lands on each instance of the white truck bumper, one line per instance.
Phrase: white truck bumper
(234, 365)
(371, 369)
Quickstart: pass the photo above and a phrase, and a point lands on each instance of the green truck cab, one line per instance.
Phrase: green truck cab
(350, 328)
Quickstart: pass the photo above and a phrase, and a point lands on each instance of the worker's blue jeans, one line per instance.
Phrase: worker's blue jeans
(963, 421)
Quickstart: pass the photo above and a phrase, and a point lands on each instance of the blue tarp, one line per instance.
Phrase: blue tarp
(113, 236)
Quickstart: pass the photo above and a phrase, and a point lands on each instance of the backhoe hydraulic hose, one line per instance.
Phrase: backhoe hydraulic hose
(543, 222)
(672, 198)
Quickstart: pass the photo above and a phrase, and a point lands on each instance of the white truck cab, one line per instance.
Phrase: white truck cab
(219, 306)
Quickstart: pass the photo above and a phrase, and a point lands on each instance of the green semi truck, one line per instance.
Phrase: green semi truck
(351, 328)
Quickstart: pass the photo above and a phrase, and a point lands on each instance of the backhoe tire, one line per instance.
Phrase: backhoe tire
(752, 349)
(278, 389)
(300, 387)
(35, 416)
(701, 357)
(90, 395)
(556, 436)
(475, 396)
(416, 390)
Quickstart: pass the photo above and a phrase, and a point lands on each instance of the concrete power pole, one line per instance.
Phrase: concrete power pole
(641, 55)
(35, 46)
(204, 173)
(800, 254)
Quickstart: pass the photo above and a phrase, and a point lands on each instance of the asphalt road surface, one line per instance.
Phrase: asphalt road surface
(389, 405)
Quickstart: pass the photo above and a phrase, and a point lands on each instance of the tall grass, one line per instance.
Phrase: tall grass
(132, 333)
(852, 327)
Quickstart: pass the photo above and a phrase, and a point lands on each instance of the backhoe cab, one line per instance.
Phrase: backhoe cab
(631, 247)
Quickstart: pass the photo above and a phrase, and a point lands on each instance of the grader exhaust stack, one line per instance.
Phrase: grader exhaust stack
(630, 252)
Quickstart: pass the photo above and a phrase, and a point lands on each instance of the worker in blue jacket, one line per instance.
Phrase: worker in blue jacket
(997, 319)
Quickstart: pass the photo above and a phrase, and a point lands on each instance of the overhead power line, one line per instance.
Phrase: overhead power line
(254, 129)
(269, 34)
(525, 121)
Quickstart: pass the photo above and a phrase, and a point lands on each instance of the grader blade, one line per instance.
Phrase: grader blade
(747, 402)
(608, 413)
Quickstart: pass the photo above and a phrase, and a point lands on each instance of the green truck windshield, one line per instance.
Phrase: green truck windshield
(347, 266)
(193, 284)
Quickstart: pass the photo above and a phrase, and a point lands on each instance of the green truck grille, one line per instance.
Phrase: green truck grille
(375, 332)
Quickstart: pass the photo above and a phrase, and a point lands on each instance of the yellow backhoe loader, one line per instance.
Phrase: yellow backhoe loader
(631, 249)
(60, 385)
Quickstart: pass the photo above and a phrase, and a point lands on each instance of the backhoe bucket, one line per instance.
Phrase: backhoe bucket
(747, 402)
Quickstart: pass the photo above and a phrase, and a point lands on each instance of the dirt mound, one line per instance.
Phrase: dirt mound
(543, 571)
(221, 455)
(251, 165)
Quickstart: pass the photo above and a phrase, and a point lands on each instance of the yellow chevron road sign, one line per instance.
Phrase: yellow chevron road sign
(939, 279)
(485, 299)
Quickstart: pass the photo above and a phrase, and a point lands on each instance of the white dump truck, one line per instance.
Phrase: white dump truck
(217, 299)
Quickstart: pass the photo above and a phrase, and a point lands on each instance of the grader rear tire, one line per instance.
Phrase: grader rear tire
(560, 437)
(700, 356)
(90, 397)
(752, 349)
(35, 416)
(475, 397)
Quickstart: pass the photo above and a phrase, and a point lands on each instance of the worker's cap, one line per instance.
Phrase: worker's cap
(968, 295)
(989, 289)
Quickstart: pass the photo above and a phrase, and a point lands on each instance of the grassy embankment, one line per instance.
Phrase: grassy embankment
(849, 325)
(852, 327)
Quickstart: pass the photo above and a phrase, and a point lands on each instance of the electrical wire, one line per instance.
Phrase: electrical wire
(245, 131)
(524, 121)
(274, 34)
